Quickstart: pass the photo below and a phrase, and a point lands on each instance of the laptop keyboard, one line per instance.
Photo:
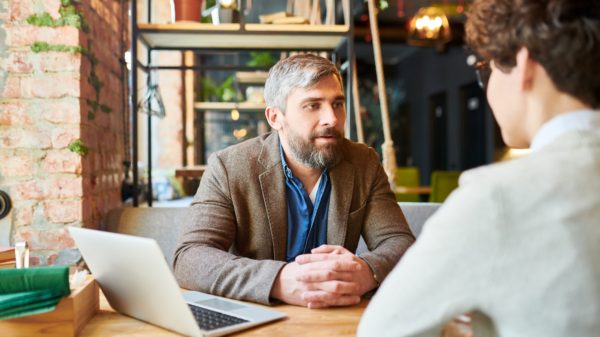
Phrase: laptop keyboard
(211, 320)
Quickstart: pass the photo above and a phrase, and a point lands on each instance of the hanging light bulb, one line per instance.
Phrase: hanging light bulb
(235, 114)
(227, 3)
(430, 25)
(240, 133)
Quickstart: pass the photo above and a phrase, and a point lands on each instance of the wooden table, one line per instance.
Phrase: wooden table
(413, 189)
(299, 323)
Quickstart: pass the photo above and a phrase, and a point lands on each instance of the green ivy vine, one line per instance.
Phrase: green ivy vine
(41, 46)
(70, 16)
(77, 146)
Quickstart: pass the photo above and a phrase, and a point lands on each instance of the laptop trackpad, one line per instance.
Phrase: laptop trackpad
(219, 304)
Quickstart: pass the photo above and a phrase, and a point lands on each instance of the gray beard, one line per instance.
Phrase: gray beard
(308, 154)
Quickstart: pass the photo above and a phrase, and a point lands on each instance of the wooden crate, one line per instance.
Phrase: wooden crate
(67, 320)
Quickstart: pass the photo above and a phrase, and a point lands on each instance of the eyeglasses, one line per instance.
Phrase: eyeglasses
(483, 72)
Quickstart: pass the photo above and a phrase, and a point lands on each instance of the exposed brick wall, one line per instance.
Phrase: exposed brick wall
(47, 101)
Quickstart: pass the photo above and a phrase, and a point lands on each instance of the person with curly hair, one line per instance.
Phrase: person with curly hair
(517, 245)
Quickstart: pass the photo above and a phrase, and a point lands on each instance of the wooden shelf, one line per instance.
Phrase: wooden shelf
(190, 171)
(191, 35)
(251, 77)
(228, 106)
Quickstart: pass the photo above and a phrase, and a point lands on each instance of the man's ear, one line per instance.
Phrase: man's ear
(525, 68)
(273, 116)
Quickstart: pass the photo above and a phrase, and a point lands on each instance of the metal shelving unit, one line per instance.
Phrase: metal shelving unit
(200, 37)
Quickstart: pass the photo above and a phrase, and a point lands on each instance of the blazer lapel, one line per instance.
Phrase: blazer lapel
(342, 185)
(272, 184)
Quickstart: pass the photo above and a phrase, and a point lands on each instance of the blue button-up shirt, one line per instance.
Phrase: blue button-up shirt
(307, 223)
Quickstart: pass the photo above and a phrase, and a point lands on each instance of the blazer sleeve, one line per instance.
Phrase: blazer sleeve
(385, 229)
(202, 259)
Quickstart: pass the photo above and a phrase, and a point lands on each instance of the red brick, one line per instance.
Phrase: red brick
(46, 85)
(44, 241)
(16, 166)
(56, 88)
(62, 161)
(14, 114)
(19, 35)
(26, 35)
(31, 190)
(23, 215)
(63, 111)
(63, 188)
(61, 138)
(57, 61)
(19, 62)
(52, 7)
(20, 10)
(12, 87)
(25, 138)
(63, 211)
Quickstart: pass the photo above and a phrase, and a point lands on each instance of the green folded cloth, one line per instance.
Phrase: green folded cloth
(31, 291)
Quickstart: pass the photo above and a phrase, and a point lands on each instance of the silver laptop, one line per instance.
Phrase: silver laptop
(137, 282)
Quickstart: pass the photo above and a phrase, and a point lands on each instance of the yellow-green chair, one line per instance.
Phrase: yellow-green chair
(442, 184)
(407, 176)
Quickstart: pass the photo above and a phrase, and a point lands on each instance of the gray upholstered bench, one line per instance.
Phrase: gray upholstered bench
(163, 224)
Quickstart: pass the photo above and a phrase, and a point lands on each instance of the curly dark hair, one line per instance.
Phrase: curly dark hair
(563, 36)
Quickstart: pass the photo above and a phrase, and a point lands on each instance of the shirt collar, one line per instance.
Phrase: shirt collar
(563, 123)
(286, 169)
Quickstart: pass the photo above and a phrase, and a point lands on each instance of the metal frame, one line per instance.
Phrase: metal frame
(137, 36)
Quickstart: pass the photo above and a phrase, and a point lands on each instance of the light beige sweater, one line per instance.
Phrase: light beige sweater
(518, 242)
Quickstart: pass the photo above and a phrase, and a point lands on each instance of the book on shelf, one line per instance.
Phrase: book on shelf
(8, 264)
(255, 77)
(297, 20)
(268, 18)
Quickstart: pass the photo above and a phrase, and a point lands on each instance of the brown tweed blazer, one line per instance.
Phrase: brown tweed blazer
(234, 241)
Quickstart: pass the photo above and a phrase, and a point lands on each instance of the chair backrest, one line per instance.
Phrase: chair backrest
(407, 176)
(442, 184)
(416, 214)
(162, 224)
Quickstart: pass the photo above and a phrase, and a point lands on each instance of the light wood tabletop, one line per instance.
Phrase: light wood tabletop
(300, 322)
(413, 189)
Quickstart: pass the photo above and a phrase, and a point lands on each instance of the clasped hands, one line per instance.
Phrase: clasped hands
(328, 276)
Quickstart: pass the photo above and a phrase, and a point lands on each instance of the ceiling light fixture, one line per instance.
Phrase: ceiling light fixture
(429, 26)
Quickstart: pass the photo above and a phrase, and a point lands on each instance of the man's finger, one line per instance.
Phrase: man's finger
(329, 290)
(337, 301)
(308, 258)
(326, 249)
(324, 275)
(340, 265)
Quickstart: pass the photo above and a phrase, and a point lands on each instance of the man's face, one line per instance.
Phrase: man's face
(313, 123)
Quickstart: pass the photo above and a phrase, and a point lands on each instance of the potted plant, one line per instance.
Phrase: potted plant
(186, 10)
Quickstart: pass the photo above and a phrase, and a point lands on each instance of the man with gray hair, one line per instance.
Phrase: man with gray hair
(279, 217)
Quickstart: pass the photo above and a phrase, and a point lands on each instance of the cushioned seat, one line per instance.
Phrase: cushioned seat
(416, 214)
(163, 223)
